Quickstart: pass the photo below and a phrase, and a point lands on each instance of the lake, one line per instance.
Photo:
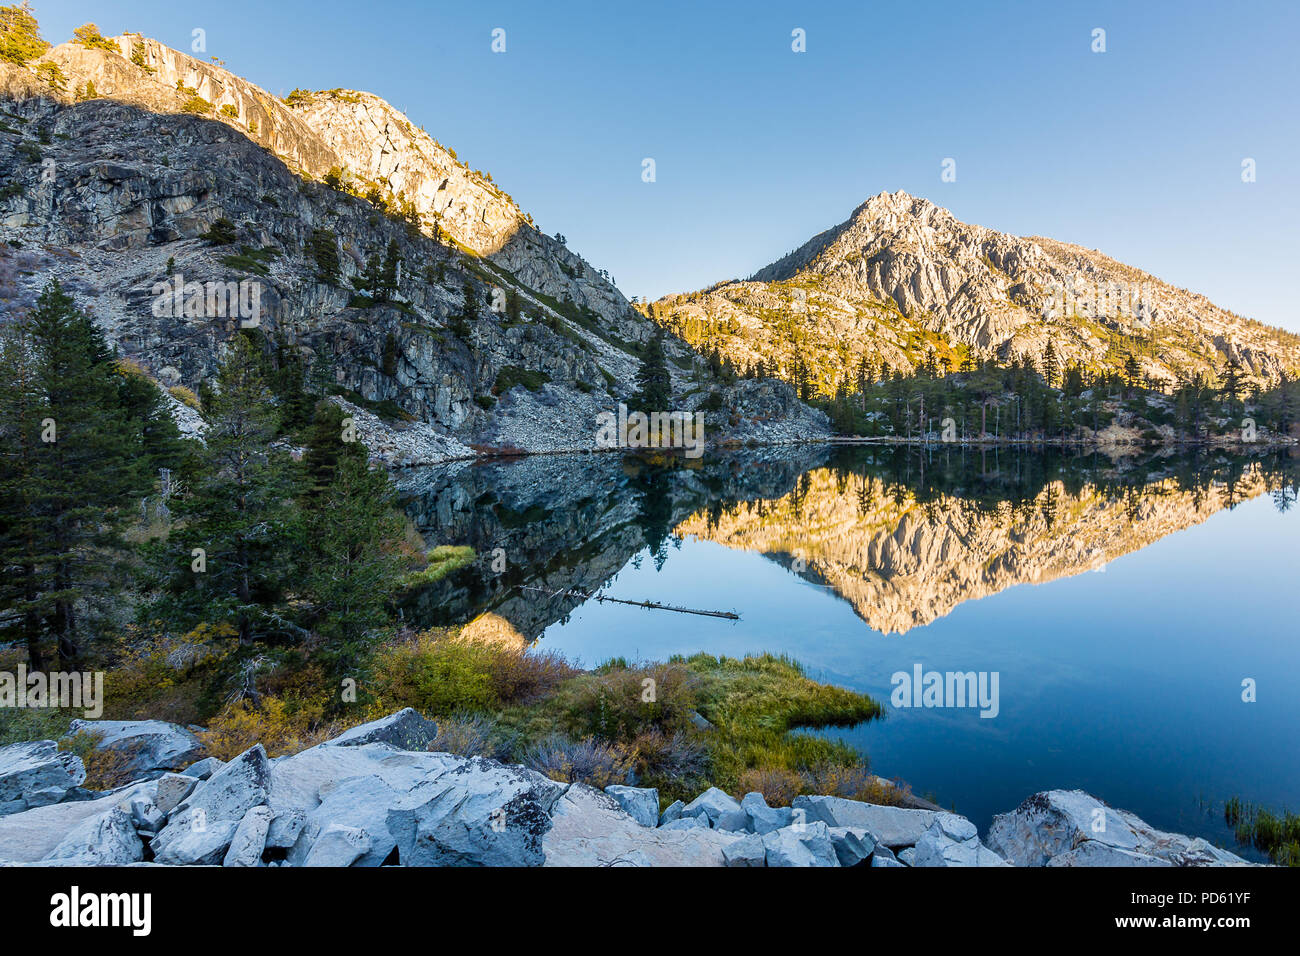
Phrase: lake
(1125, 609)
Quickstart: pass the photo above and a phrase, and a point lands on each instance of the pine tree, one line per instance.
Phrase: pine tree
(227, 556)
(20, 38)
(75, 462)
(1051, 365)
(351, 563)
(654, 386)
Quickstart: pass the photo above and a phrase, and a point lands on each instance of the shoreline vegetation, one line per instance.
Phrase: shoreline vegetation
(682, 725)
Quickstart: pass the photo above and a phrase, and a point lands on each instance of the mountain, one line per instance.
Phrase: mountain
(118, 159)
(902, 276)
(903, 560)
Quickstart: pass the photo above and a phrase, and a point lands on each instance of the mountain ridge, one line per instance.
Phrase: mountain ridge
(902, 275)
(118, 165)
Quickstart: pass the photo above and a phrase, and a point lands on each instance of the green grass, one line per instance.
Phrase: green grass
(443, 560)
(1278, 835)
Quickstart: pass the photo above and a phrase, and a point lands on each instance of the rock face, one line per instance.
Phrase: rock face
(357, 802)
(479, 814)
(640, 803)
(953, 841)
(901, 270)
(806, 845)
(404, 730)
(128, 183)
(35, 774)
(146, 745)
(108, 839)
(1073, 828)
(890, 826)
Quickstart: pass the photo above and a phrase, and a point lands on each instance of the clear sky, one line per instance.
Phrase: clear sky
(1136, 151)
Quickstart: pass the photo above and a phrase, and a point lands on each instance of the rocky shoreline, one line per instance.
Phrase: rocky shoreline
(376, 796)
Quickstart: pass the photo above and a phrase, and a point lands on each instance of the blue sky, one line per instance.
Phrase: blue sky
(1136, 151)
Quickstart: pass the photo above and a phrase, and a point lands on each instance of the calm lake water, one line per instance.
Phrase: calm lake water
(1120, 606)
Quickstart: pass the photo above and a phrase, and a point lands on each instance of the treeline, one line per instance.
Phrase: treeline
(1026, 400)
(113, 527)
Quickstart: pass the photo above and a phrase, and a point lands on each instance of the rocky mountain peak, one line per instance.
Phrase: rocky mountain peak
(902, 275)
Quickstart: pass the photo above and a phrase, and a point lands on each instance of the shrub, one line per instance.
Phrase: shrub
(485, 402)
(278, 727)
(105, 769)
(778, 785)
(435, 675)
(19, 724)
(197, 105)
(185, 396)
(466, 735)
(593, 762)
(220, 233)
(512, 375)
(229, 110)
(442, 561)
(618, 703)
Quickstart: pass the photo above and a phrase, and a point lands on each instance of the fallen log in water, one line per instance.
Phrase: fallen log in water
(648, 605)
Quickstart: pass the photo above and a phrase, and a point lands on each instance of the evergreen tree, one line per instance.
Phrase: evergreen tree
(654, 386)
(227, 555)
(75, 459)
(351, 563)
(20, 38)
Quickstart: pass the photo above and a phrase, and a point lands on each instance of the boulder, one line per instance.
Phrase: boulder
(673, 812)
(800, 845)
(354, 785)
(589, 828)
(480, 813)
(146, 745)
(641, 803)
(285, 827)
(200, 828)
(202, 769)
(29, 836)
(1060, 823)
(762, 818)
(853, 845)
(145, 814)
(1092, 853)
(233, 790)
(884, 858)
(749, 850)
(338, 845)
(404, 730)
(106, 839)
(891, 826)
(720, 809)
(952, 840)
(357, 804)
(36, 774)
(687, 823)
(172, 788)
(190, 839)
(249, 841)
